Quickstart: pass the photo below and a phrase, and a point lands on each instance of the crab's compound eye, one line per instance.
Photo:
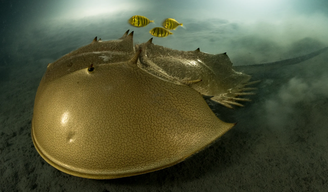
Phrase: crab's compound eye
(91, 68)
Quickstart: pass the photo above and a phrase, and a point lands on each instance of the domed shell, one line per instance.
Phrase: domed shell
(111, 120)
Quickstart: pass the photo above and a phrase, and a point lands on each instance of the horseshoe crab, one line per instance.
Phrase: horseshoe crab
(109, 109)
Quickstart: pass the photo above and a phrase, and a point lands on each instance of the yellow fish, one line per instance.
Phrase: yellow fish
(160, 32)
(139, 21)
(170, 23)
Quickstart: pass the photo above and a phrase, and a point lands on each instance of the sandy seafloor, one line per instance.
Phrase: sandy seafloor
(280, 142)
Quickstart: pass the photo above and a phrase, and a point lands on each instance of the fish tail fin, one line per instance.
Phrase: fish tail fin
(181, 24)
(151, 21)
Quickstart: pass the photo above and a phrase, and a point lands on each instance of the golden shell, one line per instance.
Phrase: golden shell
(101, 120)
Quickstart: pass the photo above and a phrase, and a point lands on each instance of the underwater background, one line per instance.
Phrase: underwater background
(281, 140)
